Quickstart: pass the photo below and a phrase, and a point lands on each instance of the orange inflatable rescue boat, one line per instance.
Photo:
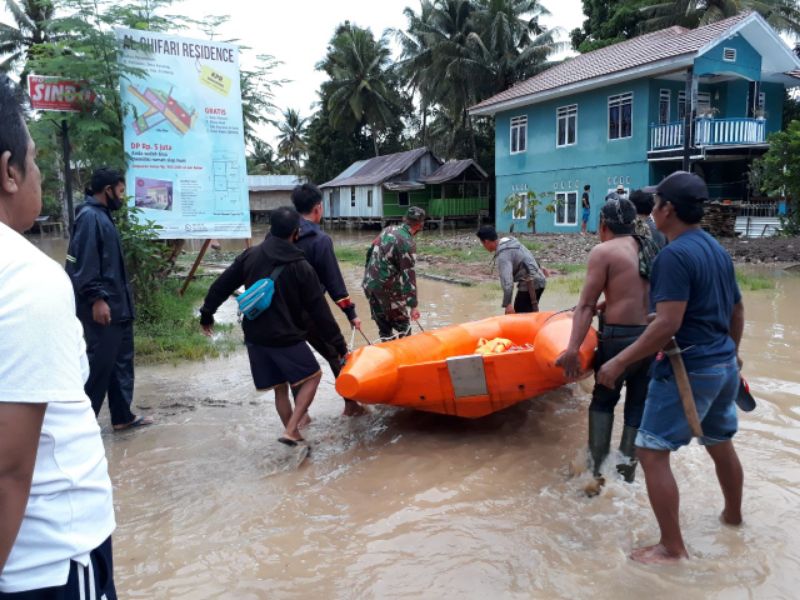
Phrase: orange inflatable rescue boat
(440, 371)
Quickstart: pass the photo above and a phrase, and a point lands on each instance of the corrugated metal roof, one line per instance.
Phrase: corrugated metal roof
(649, 48)
(451, 169)
(271, 183)
(376, 170)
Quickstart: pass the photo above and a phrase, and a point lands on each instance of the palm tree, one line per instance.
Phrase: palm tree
(360, 90)
(783, 15)
(262, 159)
(456, 53)
(292, 145)
(32, 27)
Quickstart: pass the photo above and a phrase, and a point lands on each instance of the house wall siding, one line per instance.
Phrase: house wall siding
(360, 209)
(593, 160)
(391, 202)
(747, 64)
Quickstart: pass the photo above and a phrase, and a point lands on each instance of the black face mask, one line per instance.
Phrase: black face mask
(113, 202)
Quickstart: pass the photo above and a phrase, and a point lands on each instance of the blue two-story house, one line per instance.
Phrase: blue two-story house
(636, 111)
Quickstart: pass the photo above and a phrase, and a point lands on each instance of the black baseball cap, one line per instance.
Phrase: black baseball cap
(680, 187)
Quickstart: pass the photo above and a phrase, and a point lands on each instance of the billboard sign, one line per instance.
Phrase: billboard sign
(184, 135)
(58, 94)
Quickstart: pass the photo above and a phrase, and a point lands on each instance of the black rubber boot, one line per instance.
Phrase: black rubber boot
(628, 449)
(600, 424)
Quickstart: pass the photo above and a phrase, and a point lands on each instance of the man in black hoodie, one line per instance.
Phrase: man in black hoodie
(279, 355)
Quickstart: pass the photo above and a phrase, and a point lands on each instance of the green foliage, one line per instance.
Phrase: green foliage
(31, 29)
(525, 205)
(257, 87)
(361, 91)
(331, 151)
(783, 15)
(456, 53)
(778, 173)
(292, 144)
(607, 22)
(752, 282)
(145, 259)
(170, 329)
(351, 254)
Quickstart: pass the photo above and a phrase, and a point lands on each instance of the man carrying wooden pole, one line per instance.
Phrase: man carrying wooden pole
(697, 300)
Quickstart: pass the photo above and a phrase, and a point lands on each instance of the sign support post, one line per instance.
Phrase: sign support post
(67, 174)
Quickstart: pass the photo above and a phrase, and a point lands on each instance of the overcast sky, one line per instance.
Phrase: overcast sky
(297, 32)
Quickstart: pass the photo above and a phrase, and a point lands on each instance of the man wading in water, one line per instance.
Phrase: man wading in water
(697, 300)
(615, 268)
(276, 338)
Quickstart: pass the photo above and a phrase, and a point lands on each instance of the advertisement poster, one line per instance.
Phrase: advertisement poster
(184, 135)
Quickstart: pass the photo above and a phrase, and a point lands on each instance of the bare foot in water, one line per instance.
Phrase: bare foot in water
(353, 409)
(304, 422)
(729, 519)
(656, 554)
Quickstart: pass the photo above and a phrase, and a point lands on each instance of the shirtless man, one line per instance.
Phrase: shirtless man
(613, 270)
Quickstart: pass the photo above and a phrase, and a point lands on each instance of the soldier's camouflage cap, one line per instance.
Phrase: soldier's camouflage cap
(415, 214)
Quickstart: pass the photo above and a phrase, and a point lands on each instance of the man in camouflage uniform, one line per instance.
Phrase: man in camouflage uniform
(390, 282)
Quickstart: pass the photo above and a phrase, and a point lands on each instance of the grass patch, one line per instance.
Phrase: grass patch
(356, 255)
(567, 268)
(570, 284)
(753, 283)
(534, 247)
(456, 254)
(168, 329)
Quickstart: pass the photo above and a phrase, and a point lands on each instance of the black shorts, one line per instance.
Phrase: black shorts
(272, 366)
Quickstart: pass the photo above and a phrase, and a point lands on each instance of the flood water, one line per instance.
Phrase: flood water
(401, 504)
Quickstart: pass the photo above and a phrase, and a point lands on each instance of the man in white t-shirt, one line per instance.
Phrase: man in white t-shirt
(56, 512)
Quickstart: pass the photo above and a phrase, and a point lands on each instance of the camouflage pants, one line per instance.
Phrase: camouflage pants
(390, 315)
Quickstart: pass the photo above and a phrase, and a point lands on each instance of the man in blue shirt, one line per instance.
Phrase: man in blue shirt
(696, 298)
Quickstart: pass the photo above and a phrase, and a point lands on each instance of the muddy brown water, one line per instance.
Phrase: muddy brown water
(401, 504)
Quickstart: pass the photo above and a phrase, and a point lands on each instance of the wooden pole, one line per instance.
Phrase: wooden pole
(196, 264)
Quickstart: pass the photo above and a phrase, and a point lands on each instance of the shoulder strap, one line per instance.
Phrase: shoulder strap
(276, 272)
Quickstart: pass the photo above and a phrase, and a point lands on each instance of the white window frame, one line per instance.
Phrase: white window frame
(518, 124)
(618, 100)
(681, 101)
(762, 101)
(520, 212)
(352, 196)
(664, 94)
(565, 198)
(563, 115)
(369, 198)
(726, 52)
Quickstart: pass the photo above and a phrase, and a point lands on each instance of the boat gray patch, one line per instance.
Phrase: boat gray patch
(467, 375)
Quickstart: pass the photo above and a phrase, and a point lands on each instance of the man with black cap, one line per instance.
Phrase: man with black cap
(103, 299)
(614, 269)
(390, 282)
(697, 301)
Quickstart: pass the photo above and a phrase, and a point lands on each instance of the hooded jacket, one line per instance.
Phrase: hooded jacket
(297, 290)
(318, 248)
(515, 263)
(95, 264)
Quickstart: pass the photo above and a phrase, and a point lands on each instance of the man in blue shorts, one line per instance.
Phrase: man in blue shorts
(276, 338)
(697, 300)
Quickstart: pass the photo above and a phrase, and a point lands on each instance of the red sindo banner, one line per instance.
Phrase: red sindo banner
(55, 93)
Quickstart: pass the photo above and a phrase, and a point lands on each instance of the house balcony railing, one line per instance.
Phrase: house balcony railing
(710, 132)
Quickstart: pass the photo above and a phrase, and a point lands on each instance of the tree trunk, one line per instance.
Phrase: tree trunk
(375, 140)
